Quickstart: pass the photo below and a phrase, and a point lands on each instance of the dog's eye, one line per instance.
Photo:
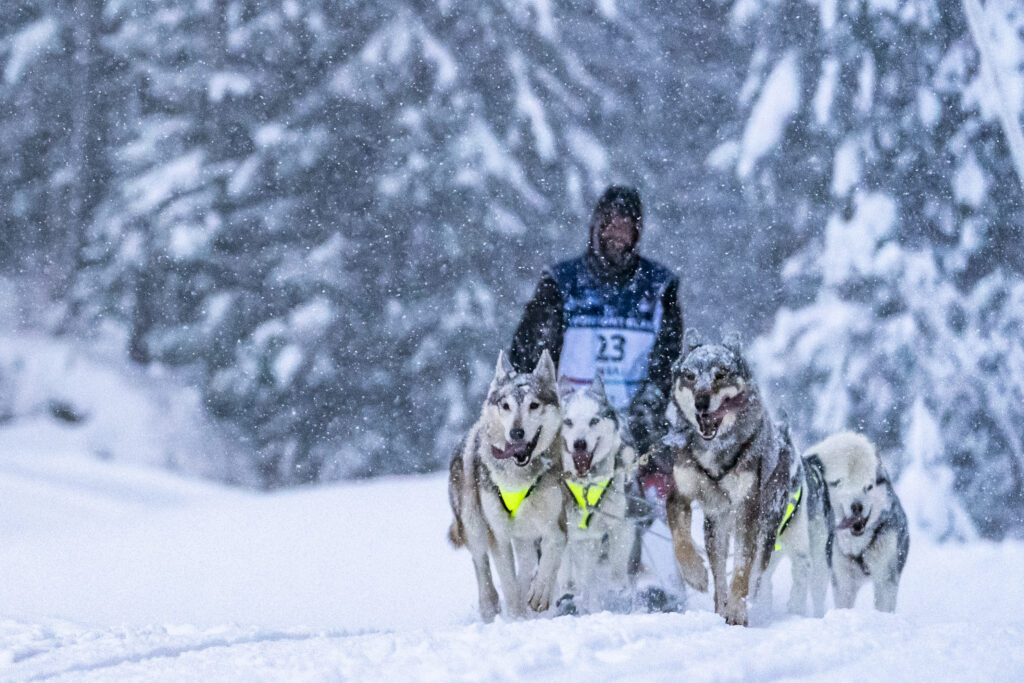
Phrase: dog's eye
(534, 405)
(688, 376)
(567, 422)
(719, 373)
(594, 421)
(505, 406)
(833, 483)
(868, 487)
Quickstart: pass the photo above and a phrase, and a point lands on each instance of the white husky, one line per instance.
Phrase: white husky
(595, 462)
(871, 538)
(504, 486)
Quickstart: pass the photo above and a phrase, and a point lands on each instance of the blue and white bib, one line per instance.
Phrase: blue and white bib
(610, 328)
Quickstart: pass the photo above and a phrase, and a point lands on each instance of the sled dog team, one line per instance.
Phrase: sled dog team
(539, 489)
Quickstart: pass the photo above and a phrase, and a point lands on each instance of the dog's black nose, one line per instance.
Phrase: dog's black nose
(702, 402)
(856, 508)
(517, 433)
(579, 445)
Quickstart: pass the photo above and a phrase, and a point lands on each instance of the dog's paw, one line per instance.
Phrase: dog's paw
(515, 610)
(694, 573)
(488, 612)
(566, 605)
(539, 599)
(735, 612)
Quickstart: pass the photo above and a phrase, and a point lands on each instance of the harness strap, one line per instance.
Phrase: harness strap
(791, 507)
(588, 497)
(513, 500)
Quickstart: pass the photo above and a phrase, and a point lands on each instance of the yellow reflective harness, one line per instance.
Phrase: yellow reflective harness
(791, 508)
(513, 500)
(588, 497)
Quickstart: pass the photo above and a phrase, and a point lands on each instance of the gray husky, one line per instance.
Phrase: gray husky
(595, 462)
(871, 538)
(732, 459)
(505, 490)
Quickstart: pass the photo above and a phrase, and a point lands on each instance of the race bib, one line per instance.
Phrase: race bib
(620, 356)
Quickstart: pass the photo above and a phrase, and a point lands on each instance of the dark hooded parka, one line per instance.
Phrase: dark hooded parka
(609, 311)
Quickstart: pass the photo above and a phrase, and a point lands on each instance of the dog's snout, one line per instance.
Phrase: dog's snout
(856, 508)
(517, 433)
(579, 445)
(702, 402)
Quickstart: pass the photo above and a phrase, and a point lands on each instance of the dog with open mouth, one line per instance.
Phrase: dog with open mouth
(731, 459)
(871, 538)
(595, 462)
(505, 490)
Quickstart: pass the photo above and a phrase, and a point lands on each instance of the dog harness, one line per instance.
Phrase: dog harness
(588, 497)
(791, 507)
(610, 328)
(513, 500)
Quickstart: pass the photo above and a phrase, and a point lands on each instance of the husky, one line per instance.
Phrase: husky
(505, 490)
(730, 457)
(803, 537)
(871, 537)
(595, 463)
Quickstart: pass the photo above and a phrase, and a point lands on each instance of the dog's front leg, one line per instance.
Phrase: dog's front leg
(552, 546)
(488, 597)
(620, 544)
(748, 561)
(680, 517)
(504, 564)
(801, 570)
(846, 579)
(527, 558)
(886, 587)
(886, 578)
(716, 543)
(818, 539)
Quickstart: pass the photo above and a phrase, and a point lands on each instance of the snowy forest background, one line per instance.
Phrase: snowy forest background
(328, 214)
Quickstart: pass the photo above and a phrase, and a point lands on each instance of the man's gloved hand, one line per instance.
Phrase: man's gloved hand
(656, 486)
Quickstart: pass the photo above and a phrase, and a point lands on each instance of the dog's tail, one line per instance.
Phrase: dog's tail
(456, 532)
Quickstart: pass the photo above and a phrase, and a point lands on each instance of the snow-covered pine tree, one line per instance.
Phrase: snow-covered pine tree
(323, 209)
(58, 101)
(905, 304)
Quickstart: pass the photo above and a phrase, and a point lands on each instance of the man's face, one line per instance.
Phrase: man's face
(616, 239)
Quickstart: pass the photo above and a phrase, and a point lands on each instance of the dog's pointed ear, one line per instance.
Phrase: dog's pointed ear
(565, 387)
(597, 390)
(505, 365)
(691, 340)
(734, 342)
(501, 370)
(881, 474)
(545, 370)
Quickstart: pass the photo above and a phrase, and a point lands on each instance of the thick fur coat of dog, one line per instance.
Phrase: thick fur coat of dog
(506, 491)
(871, 538)
(595, 462)
(731, 459)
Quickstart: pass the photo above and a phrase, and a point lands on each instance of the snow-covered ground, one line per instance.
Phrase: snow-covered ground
(116, 570)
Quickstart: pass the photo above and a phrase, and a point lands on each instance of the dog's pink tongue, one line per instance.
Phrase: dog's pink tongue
(581, 461)
(512, 450)
(847, 522)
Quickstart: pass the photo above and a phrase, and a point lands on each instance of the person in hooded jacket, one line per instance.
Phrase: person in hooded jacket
(615, 313)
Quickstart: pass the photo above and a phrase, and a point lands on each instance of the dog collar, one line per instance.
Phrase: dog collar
(588, 497)
(513, 500)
